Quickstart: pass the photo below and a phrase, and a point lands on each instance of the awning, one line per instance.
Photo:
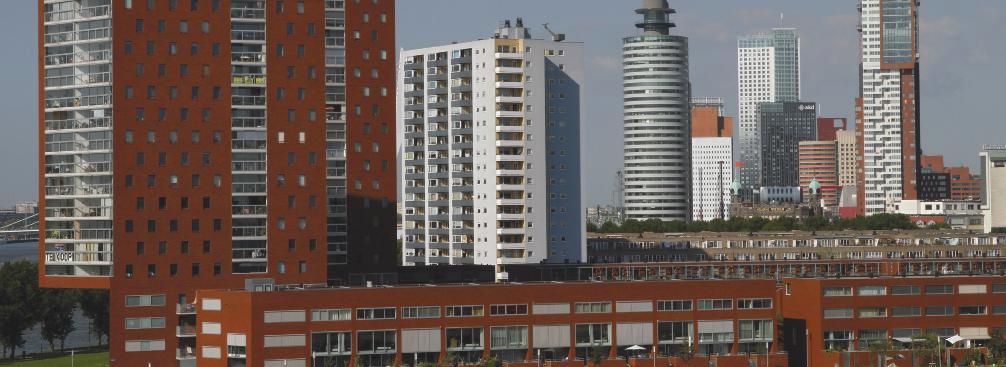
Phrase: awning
(903, 340)
(551, 336)
(420, 340)
(954, 339)
(634, 333)
(975, 333)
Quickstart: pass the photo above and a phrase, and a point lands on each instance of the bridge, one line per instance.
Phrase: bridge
(23, 230)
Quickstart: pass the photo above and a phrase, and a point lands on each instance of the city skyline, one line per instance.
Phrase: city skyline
(949, 32)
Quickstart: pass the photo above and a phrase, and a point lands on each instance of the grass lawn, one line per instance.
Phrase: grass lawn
(95, 359)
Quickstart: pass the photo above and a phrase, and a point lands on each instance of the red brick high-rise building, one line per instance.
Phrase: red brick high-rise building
(193, 144)
(828, 127)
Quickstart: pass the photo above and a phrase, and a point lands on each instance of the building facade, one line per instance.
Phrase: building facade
(828, 127)
(819, 162)
(712, 174)
(657, 137)
(888, 105)
(183, 146)
(963, 184)
(768, 70)
(558, 323)
(783, 126)
(491, 147)
(815, 321)
(993, 163)
(847, 157)
(712, 159)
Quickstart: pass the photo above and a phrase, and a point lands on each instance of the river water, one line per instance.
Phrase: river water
(81, 337)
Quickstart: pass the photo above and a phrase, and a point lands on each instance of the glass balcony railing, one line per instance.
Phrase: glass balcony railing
(248, 13)
(82, 35)
(78, 14)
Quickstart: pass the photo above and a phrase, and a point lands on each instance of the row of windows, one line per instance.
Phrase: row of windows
(522, 309)
(905, 290)
(911, 311)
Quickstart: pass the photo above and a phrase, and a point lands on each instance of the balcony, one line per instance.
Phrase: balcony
(509, 201)
(509, 70)
(509, 113)
(510, 143)
(185, 309)
(509, 99)
(78, 14)
(510, 172)
(508, 55)
(511, 231)
(517, 187)
(506, 216)
(510, 85)
(510, 260)
(185, 331)
(185, 353)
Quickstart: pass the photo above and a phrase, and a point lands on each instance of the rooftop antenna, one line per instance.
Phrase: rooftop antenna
(556, 37)
(782, 19)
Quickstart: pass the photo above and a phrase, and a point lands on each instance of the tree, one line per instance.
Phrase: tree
(598, 354)
(19, 303)
(57, 315)
(609, 227)
(997, 347)
(687, 353)
(880, 349)
(591, 227)
(925, 347)
(94, 305)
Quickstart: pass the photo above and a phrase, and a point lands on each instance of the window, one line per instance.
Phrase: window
(872, 290)
(145, 300)
(871, 337)
(508, 337)
(674, 332)
(715, 304)
(340, 314)
(464, 338)
(838, 313)
(464, 311)
(837, 339)
(904, 290)
(503, 310)
(375, 313)
(675, 305)
(273, 317)
(837, 291)
(145, 323)
(593, 334)
(905, 311)
(872, 312)
(939, 289)
(999, 288)
(972, 289)
(756, 303)
(755, 330)
(972, 310)
(420, 312)
(593, 307)
(376, 342)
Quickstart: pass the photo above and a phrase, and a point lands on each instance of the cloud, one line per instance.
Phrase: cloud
(715, 31)
(606, 63)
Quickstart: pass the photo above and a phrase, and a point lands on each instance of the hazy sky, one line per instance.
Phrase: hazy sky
(962, 54)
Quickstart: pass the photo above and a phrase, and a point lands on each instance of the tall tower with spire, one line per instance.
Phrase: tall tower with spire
(657, 119)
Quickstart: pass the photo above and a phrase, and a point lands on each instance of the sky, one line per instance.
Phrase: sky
(962, 52)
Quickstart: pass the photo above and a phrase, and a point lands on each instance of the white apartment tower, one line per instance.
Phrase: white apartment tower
(887, 108)
(490, 134)
(768, 70)
(712, 174)
(657, 117)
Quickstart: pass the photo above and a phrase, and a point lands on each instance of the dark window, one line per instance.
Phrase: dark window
(312, 244)
(162, 247)
(217, 268)
(185, 247)
(206, 202)
(139, 203)
(139, 25)
(206, 247)
(139, 248)
(151, 225)
(151, 270)
(129, 271)
(217, 224)
(173, 225)
(195, 269)
(195, 225)
(162, 202)
(129, 180)
(174, 269)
